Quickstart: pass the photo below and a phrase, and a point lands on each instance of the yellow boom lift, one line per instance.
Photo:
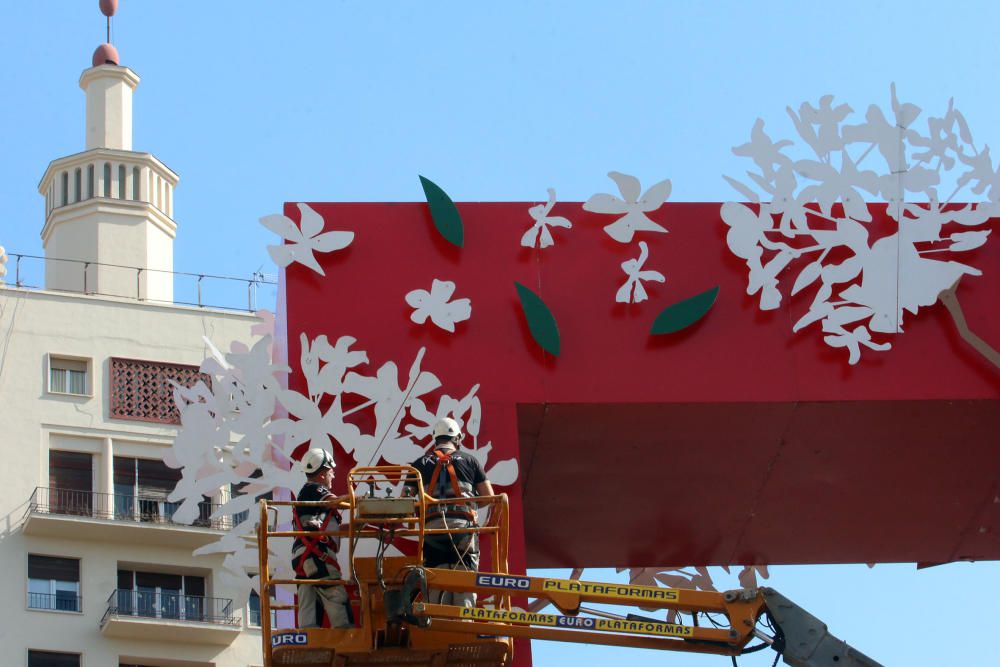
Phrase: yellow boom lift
(395, 624)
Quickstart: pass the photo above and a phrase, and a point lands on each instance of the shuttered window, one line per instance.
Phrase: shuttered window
(52, 659)
(52, 567)
(71, 471)
(53, 583)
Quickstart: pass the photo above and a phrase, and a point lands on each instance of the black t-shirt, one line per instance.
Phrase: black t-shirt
(312, 518)
(311, 492)
(467, 469)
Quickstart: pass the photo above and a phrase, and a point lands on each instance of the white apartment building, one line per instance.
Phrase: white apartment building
(96, 574)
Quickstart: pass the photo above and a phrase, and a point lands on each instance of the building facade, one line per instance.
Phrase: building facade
(98, 573)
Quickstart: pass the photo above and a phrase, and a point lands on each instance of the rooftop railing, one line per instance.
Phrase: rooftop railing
(120, 507)
(190, 289)
(169, 606)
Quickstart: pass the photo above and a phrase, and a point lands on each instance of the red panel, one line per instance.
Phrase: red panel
(745, 437)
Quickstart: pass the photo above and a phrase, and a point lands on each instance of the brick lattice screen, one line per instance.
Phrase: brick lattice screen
(140, 391)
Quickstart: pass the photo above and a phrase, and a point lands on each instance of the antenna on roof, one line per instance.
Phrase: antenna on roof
(108, 8)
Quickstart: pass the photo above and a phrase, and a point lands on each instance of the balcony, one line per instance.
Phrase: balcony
(55, 602)
(155, 615)
(112, 517)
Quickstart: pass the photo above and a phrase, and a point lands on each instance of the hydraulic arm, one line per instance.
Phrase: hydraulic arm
(397, 624)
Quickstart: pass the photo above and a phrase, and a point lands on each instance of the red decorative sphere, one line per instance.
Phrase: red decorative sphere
(109, 7)
(104, 55)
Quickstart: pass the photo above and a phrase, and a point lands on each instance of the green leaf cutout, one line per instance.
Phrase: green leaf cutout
(684, 313)
(443, 211)
(541, 323)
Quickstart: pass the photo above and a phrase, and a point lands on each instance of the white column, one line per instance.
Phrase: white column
(109, 106)
(107, 476)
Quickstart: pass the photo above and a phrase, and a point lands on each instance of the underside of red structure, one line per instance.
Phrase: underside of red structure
(811, 482)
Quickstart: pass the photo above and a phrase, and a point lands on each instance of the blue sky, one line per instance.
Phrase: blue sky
(256, 103)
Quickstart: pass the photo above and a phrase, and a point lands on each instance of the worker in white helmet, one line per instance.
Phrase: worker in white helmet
(448, 472)
(316, 558)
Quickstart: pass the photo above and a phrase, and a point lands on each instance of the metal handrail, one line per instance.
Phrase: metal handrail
(55, 602)
(120, 507)
(251, 283)
(493, 532)
(128, 603)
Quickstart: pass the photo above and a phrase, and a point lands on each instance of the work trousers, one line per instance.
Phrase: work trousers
(333, 598)
(436, 596)
(459, 551)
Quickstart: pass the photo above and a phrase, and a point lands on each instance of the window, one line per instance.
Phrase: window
(69, 375)
(53, 583)
(253, 618)
(90, 181)
(141, 489)
(135, 183)
(77, 185)
(107, 179)
(52, 659)
(121, 181)
(236, 490)
(71, 483)
(159, 595)
(65, 188)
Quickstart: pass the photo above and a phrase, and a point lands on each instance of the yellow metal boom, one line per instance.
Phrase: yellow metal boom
(396, 623)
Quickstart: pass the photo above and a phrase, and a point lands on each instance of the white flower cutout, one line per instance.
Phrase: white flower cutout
(539, 235)
(436, 305)
(304, 239)
(633, 205)
(633, 291)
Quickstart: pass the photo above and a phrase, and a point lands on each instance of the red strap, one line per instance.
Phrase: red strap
(444, 460)
(311, 544)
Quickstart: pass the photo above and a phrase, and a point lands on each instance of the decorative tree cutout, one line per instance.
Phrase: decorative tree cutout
(863, 285)
(633, 291)
(539, 234)
(437, 305)
(231, 438)
(303, 239)
(631, 206)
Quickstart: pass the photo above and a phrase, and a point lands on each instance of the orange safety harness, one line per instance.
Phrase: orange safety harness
(463, 511)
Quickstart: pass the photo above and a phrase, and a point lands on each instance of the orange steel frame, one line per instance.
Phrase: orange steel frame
(452, 625)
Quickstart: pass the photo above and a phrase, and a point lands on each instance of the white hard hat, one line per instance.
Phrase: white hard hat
(447, 427)
(316, 459)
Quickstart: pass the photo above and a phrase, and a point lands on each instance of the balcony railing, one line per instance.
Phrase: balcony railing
(55, 601)
(118, 507)
(124, 603)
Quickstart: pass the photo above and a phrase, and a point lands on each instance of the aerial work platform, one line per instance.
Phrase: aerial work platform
(395, 624)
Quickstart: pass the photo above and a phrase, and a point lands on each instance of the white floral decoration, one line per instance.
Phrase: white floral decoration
(304, 239)
(437, 306)
(863, 286)
(234, 433)
(539, 235)
(631, 206)
(633, 290)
